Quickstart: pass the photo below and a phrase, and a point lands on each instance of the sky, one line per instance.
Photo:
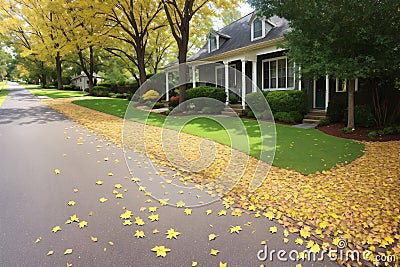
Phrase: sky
(245, 9)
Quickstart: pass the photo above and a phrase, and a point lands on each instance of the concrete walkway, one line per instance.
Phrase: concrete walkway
(35, 141)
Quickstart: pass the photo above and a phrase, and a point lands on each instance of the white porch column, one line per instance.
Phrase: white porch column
(243, 83)
(254, 75)
(194, 76)
(166, 86)
(326, 92)
(299, 77)
(314, 93)
(226, 64)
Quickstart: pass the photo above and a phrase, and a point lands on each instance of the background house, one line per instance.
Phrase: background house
(250, 45)
(82, 80)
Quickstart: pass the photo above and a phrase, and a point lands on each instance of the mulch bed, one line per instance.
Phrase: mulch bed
(360, 134)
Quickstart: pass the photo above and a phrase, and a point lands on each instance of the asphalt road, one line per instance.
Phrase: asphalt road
(36, 140)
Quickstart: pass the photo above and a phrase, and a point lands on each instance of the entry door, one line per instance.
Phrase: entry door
(320, 89)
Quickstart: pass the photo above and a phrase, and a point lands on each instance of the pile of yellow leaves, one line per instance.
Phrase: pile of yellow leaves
(358, 202)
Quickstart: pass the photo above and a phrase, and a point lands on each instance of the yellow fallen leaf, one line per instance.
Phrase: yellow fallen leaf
(99, 182)
(83, 224)
(273, 229)
(305, 232)
(103, 199)
(57, 171)
(139, 234)
(38, 239)
(180, 204)
(155, 231)
(214, 252)
(270, 215)
(171, 233)
(153, 217)
(223, 264)
(285, 240)
(299, 241)
(119, 195)
(126, 215)
(161, 251)
(56, 229)
(68, 251)
(71, 203)
(93, 238)
(51, 252)
(73, 218)
(212, 237)
(208, 212)
(194, 263)
(111, 243)
(110, 174)
(236, 229)
(127, 223)
(188, 211)
(222, 213)
(118, 186)
(152, 209)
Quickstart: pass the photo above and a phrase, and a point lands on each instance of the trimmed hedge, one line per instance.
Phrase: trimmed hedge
(71, 87)
(286, 105)
(206, 91)
(100, 91)
(287, 101)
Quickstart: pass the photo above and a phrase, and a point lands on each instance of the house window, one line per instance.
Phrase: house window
(278, 73)
(232, 76)
(257, 28)
(213, 42)
(219, 76)
(341, 85)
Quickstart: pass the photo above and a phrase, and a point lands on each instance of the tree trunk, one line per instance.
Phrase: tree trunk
(183, 68)
(350, 106)
(43, 78)
(59, 72)
(140, 53)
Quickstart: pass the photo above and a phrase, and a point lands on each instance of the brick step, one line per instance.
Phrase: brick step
(314, 117)
(310, 121)
(317, 112)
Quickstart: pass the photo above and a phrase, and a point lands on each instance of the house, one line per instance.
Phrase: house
(250, 45)
(82, 80)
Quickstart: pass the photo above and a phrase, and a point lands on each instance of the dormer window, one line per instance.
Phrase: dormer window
(213, 42)
(257, 29)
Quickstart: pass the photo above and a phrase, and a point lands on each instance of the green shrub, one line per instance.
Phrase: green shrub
(398, 129)
(335, 112)
(100, 91)
(71, 87)
(372, 134)
(158, 105)
(381, 132)
(347, 130)
(287, 101)
(206, 91)
(250, 114)
(389, 130)
(150, 95)
(363, 116)
(284, 116)
(297, 116)
(324, 122)
(256, 101)
(233, 99)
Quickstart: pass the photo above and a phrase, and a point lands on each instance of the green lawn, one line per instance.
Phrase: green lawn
(53, 93)
(306, 151)
(3, 91)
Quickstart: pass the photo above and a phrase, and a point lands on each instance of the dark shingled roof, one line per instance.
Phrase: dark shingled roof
(237, 36)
